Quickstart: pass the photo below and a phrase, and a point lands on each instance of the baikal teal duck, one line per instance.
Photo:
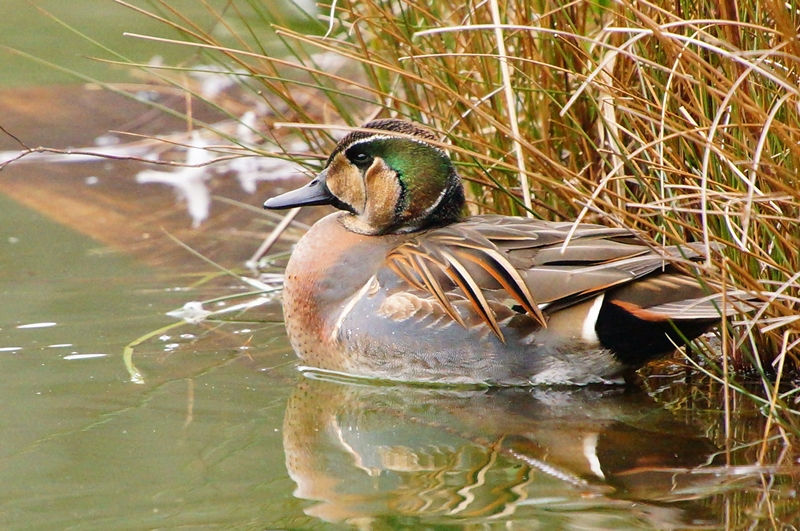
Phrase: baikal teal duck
(399, 285)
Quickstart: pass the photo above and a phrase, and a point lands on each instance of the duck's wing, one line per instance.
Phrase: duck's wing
(523, 263)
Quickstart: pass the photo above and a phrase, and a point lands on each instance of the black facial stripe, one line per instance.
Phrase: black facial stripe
(341, 205)
(402, 201)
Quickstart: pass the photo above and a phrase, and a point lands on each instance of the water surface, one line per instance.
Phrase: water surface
(225, 433)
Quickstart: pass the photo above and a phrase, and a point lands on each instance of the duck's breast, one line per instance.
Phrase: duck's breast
(328, 267)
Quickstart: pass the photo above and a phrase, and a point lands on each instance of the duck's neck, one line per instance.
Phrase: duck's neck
(449, 208)
(442, 209)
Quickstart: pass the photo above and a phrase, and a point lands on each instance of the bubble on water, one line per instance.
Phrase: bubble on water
(37, 325)
(84, 356)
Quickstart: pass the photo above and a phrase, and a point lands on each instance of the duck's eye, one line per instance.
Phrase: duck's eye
(360, 158)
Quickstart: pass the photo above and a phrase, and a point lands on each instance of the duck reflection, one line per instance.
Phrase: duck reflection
(599, 458)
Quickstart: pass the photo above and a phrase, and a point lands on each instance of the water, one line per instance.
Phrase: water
(592, 458)
(48, 30)
(82, 447)
(224, 433)
(83, 274)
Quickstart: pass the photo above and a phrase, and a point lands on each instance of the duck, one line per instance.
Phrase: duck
(400, 284)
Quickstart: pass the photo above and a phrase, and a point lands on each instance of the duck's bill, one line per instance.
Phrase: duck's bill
(314, 193)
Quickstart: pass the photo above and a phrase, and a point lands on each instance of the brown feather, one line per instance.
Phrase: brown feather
(640, 312)
(472, 290)
(435, 288)
(510, 279)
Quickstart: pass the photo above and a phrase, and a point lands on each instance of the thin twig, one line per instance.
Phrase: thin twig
(96, 155)
(272, 238)
(774, 398)
(12, 135)
(726, 388)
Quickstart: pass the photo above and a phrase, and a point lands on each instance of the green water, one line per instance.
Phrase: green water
(199, 444)
(77, 35)
(83, 447)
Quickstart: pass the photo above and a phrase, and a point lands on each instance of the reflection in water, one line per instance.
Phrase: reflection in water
(596, 458)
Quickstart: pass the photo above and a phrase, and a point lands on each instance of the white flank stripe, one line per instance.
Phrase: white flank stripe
(349, 306)
(587, 332)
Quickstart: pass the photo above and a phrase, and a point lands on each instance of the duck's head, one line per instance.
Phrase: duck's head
(389, 180)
